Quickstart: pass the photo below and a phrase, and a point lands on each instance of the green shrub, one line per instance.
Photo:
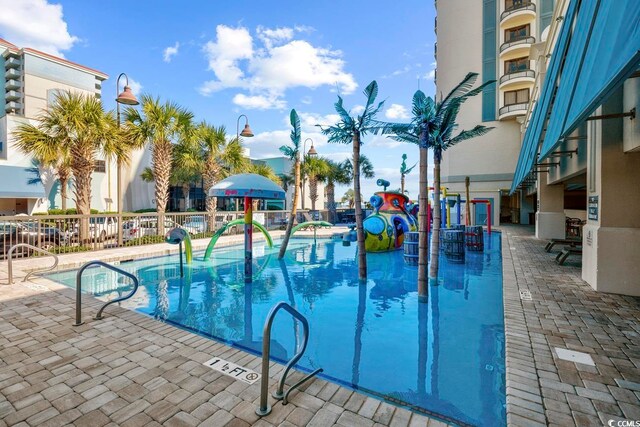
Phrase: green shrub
(145, 210)
(56, 212)
(70, 249)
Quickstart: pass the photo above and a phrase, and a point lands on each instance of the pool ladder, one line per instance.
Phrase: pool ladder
(79, 289)
(280, 394)
(35, 248)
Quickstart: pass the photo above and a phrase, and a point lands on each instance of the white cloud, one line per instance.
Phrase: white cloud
(36, 24)
(259, 102)
(278, 63)
(396, 111)
(357, 109)
(135, 86)
(306, 100)
(430, 75)
(170, 52)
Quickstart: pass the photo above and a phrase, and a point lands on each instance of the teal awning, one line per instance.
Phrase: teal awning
(604, 52)
(570, 72)
(540, 112)
(16, 183)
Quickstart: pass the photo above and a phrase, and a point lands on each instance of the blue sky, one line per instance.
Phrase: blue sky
(259, 58)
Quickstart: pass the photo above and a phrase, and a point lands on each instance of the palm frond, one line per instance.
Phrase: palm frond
(296, 133)
(461, 88)
(477, 131)
(289, 152)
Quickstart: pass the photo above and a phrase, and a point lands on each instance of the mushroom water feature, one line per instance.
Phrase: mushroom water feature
(248, 186)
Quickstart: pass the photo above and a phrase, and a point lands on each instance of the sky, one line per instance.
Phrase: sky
(259, 58)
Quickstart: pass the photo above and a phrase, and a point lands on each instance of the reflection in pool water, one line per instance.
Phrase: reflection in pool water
(444, 356)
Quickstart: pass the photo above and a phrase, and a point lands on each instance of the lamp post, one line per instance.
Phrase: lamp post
(246, 132)
(312, 152)
(128, 98)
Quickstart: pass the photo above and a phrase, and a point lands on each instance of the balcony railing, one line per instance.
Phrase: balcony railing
(513, 107)
(516, 41)
(516, 7)
(517, 75)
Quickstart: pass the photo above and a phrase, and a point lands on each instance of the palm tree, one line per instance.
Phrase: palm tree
(348, 197)
(293, 153)
(315, 168)
(336, 174)
(161, 125)
(212, 140)
(48, 152)
(426, 125)
(350, 131)
(366, 168)
(443, 140)
(187, 161)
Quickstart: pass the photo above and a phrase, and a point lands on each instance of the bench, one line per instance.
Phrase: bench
(570, 242)
(566, 252)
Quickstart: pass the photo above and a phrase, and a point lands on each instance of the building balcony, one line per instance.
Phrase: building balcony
(12, 62)
(13, 107)
(512, 110)
(517, 77)
(516, 44)
(12, 84)
(12, 73)
(518, 14)
(12, 95)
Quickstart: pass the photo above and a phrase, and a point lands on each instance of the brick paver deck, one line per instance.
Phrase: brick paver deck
(131, 370)
(566, 313)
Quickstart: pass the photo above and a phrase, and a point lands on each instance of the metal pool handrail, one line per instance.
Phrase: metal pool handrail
(26, 245)
(279, 394)
(79, 289)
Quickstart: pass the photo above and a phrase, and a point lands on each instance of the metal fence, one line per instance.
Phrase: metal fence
(79, 233)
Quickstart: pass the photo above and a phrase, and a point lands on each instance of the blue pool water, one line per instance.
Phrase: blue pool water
(444, 356)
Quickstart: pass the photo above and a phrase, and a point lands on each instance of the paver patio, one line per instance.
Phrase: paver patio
(129, 369)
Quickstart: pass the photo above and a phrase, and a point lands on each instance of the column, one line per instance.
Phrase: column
(550, 218)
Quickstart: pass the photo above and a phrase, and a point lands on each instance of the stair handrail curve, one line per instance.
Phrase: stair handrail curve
(98, 316)
(279, 394)
(27, 245)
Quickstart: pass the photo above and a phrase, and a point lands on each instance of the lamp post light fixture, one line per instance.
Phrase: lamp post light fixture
(125, 97)
(246, 132)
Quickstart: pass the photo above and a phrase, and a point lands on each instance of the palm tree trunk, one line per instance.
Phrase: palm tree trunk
(435, 233)
(313, 191)
(211, 203)
(402, 183)
(331, 198)
(362, 255)
(292, 215)
(161, 159)
(63, 177)
(423, 226)
(82, 166)
(185, 195)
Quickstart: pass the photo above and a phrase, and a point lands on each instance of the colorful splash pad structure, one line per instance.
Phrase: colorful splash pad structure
(386, 226)
(248, 186)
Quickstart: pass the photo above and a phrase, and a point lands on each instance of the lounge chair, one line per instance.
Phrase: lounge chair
(573, 242)
(566, 252)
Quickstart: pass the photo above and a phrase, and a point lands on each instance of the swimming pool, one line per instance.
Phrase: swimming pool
(442, 357)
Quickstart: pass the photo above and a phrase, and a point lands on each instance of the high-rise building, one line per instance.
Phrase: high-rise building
(493, 38)
(29, 81)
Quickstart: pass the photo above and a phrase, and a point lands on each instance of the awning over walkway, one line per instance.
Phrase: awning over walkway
(14, 183)
(540, 112)
(603, 50)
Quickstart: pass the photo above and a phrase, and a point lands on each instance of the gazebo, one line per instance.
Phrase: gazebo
(248, 186)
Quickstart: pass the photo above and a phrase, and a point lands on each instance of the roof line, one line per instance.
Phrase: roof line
(58, 59)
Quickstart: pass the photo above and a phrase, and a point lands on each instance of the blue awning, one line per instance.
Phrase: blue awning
(569, 77)
(540, 112)
(610, 58)
(15, 183)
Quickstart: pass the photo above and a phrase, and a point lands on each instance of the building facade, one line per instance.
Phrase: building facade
(29, 81)
(493, 38)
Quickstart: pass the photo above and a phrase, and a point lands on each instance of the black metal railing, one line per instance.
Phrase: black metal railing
(514, 41)
(521, 106)
(517, 75)
(516, 7)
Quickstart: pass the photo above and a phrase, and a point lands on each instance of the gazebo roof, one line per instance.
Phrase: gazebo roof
(247, 185)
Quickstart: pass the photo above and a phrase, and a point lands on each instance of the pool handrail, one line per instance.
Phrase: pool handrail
(79, 289)
(26, 245)
(264, 408)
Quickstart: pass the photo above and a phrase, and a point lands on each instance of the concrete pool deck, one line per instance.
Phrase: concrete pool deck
(129, 369)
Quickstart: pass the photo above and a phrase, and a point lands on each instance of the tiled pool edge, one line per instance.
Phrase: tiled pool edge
(520, 365)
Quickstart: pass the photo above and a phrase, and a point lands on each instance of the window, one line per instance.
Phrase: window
(516, 33)
(513, 4)
(516, 97)
(100, 166)
(515, 65)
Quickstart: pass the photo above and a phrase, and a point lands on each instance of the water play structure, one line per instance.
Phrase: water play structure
(219, 232)
(386, 226)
